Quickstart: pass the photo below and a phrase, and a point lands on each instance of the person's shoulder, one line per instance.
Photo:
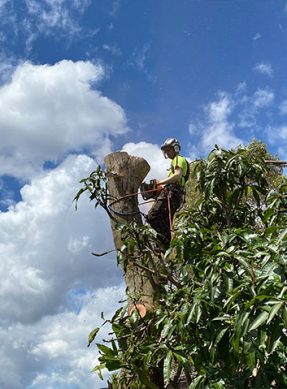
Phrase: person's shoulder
(179, 160)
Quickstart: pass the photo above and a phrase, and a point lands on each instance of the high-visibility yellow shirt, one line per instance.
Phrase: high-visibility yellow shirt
(178, 161)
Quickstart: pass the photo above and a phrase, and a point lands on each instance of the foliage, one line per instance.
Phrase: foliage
(96, 187)
(222, 312)
(254, 152)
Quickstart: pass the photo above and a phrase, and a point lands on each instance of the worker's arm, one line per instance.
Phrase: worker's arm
(173, 179)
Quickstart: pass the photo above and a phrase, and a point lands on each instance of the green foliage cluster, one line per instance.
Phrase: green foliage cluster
(221, 319)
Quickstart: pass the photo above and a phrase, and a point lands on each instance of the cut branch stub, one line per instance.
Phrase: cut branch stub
(124, 174)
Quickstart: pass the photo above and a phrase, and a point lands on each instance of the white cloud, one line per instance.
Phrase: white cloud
(263, 98)
(139, 59)
(53, 353)
(224, 115)
(46, 245)
(9, 24)
(51, 14)
(7, 67)
(140, 56)
(25, 23)
(113, 49)
(216, 127)
(114, 6)
(277, 137)
(252, 105)
(3, 2)
(240, 89)
(193, 128)
(48, 110)
(218, 111)
(256, 36)
(264, 68)
(153, 155)
(52, 287)
(277, 134)
(283, 107)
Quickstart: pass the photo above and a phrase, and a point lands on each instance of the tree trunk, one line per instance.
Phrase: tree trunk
(125, 173)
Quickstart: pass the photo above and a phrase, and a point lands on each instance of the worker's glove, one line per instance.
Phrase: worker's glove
(159, 187)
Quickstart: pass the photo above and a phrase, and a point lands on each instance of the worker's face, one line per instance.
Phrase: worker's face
(169, 151)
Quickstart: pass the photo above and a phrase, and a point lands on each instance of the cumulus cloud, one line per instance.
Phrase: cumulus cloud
(46, 246)
(153, 155)
(220, 129)
(7, 67)
(53, 353)
(264, 68)
(52, 289)
(48, 110)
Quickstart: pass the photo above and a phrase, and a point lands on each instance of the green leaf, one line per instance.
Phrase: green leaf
(275, 337)
(256, 195)
(145, 380)
(168, 325)
(285, 316)
(105, 350)
(220, 336)
(196, 383)
(251, 357)
(99, 369)
(261, 318)
(282, 235)
(198, 313)
(274, 311)
(92, 335)
(191, 313)
(244, 263)
(219, 385)
(181, 358)
(167, 365)
(113, 364)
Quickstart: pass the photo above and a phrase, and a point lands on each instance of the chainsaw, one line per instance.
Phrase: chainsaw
(150, 190)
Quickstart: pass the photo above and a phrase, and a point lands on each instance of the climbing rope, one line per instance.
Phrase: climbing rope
(168, 192)
(110, 206)
(169, 214)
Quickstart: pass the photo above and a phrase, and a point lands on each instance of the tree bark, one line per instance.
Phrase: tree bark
(124, 174)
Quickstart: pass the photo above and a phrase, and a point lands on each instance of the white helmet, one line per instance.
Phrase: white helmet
(170, 142)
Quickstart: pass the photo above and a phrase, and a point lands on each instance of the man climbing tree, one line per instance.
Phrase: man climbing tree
(171, 190)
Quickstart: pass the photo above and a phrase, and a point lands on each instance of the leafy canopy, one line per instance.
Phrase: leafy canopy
(222, 312)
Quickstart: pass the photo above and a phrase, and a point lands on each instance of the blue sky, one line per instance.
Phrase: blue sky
(80, 79)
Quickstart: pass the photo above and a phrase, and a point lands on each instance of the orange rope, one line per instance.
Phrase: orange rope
(169, 213)
(130, 195)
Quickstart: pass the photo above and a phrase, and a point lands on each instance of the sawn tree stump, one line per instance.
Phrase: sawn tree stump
(124, 174)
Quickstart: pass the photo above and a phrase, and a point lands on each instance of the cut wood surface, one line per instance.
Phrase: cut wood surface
(124, 174)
